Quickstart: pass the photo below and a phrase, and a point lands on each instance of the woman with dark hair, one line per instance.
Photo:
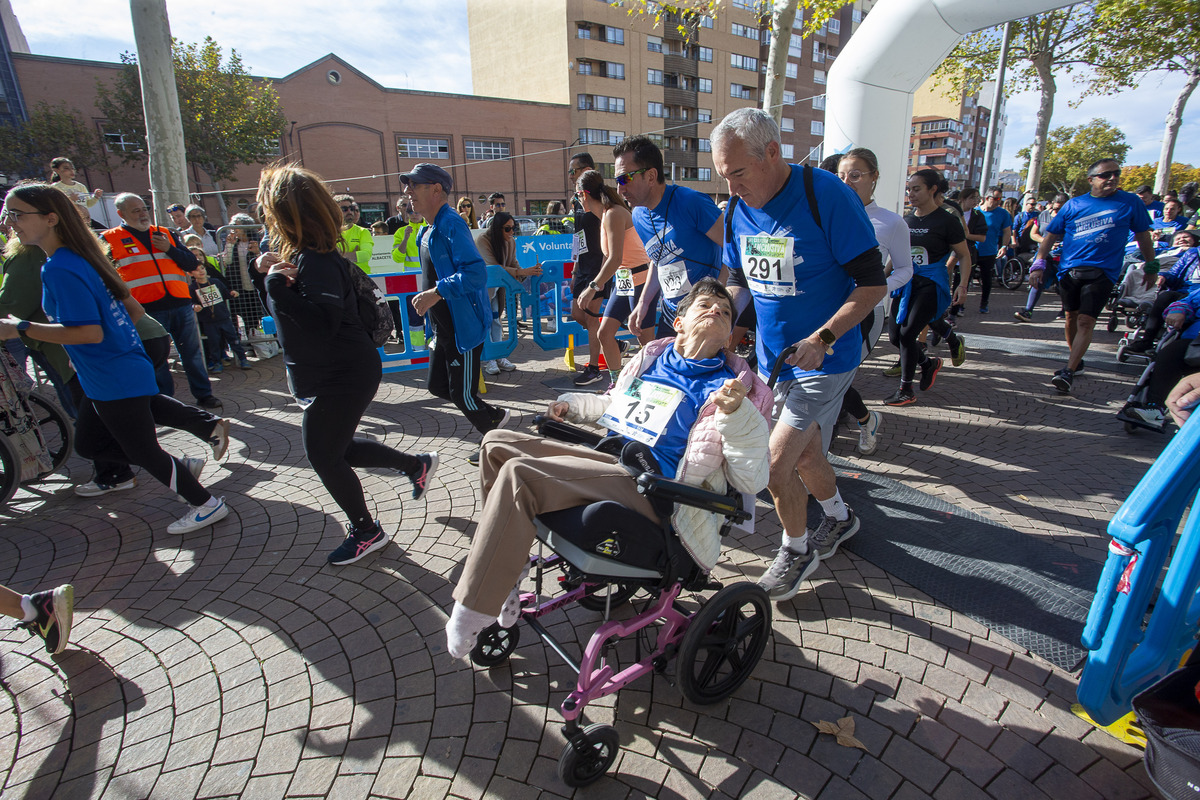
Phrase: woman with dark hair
(624, 259)
(934, 234)
(332, 364)
(497, 245)
(90, 306)
(466, 210)
(976, 232)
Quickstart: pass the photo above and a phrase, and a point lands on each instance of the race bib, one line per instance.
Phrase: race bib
(578, 246)
(920, 257)
(208, 295)
(642, 411)
(673, 278)
(624, 282)
(769, 265)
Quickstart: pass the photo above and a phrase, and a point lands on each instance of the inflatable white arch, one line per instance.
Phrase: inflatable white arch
(870, 87)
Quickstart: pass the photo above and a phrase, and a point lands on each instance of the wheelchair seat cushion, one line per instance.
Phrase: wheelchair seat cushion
(610, 530)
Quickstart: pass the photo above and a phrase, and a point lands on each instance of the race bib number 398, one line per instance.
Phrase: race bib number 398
(769, 264)
(642, 411)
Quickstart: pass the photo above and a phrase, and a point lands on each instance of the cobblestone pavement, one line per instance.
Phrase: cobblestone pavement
(235, 662)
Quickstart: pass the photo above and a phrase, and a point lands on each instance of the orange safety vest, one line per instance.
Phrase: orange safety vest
(149, 276)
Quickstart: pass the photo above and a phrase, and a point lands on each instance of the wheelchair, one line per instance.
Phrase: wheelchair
(1139, 396)
(602, 554)
(1014, 269)
(35, 435)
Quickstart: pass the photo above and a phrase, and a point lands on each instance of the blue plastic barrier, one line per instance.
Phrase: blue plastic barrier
(1124, 660)
(513, 289)
(562, 326)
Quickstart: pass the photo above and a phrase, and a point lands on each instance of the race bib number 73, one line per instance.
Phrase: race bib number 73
(769, 264)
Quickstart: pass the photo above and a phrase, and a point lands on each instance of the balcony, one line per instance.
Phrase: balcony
(681, 64)
(681, 127)
(674, 96)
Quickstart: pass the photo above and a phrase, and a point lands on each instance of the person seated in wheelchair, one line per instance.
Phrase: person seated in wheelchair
(1180, 273)
(1173, 360)
(701, 411)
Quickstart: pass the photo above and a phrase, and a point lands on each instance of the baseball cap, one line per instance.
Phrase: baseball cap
(427, 173)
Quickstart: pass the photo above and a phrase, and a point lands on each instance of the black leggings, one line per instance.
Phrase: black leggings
(852, 403)
(1168, 369)
(327, 432)
(123, 431)
(922, 307)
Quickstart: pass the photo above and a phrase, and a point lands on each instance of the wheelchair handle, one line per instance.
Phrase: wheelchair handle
(775, 370)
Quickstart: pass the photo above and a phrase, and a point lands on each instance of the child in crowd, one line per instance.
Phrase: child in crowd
(210, 296)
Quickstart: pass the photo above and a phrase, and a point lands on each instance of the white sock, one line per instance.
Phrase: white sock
(213, 502)
(27, 607)
(834, 507)
(797, 544)
(463, 629)
(512, 605)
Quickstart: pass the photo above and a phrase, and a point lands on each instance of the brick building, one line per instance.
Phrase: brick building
(949, 132)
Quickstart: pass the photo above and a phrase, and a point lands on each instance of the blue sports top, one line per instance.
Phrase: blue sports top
(1095, 229)
(675, 234)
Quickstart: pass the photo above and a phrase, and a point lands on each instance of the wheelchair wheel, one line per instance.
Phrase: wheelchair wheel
(1013, 273)
(495, 645)
(1112, 322)
(10, 470)
(603, 744)
(57, 430)
(611, 596)
(723, 643)
(1122, 354)
(1130, 428)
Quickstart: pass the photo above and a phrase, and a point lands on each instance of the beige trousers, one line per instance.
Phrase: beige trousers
(523, 475)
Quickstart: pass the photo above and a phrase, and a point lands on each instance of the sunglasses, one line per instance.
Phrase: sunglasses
(1112, 173)
(509, 228)
(624, 179)
(172, 209)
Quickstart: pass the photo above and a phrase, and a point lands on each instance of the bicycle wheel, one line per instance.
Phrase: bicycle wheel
(10, 470)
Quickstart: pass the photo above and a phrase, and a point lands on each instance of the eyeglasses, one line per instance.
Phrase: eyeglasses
(8, 215)
(624, 179)
(509, 228)
(1112, 173)
(853, 176)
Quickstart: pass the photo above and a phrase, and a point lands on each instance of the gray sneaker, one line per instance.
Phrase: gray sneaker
(829, 535)
(789, 569)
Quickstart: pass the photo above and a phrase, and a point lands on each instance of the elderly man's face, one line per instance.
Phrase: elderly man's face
(135, 214)
(749, 178)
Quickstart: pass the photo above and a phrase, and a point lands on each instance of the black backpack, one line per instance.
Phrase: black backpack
(373, 308)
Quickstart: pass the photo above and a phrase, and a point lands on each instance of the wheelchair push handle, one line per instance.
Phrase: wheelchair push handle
(653, 485)
(775, 370)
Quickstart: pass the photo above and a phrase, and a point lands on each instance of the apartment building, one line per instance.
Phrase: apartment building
(949, 132)
(622, 74)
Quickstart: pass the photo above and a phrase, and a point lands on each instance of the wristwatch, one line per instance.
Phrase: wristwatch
(23, 325)
(592, 285)
(827, 338)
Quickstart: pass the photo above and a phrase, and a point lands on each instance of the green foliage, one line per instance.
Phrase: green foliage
(228, 118)
(683, 15)
(51, 131)
(1070, 151)
(1147, 36)
(1135, 175)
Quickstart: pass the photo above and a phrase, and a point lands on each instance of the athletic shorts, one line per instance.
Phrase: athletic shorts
(813, 398)
(580, 281)
(748, 318)
(1087, 297)
(620, 307)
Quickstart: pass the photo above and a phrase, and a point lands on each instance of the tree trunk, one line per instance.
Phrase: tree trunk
(220, 195)
(783, 17)
(1037, 151)
(1162, 180)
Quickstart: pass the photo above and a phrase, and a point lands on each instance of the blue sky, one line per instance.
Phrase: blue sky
(416, 44)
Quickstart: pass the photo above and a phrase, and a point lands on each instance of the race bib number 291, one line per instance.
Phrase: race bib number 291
(769, 264)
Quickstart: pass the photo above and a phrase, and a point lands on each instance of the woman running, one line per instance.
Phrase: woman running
(89, 303)
(332, 364)
(934, 233)
(624, 257)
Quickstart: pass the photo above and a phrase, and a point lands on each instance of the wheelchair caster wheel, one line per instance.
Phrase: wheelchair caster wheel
(1130, 428)
(600, 751)
(495, 645)
(723, 643)
(1122, 354)
(1112, 323)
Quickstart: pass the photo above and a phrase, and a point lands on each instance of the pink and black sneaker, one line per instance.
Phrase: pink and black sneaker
(421, 478)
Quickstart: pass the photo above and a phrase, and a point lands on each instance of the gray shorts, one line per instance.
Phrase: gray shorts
(814, 398)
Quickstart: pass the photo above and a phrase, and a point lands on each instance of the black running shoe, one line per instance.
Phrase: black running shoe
(421, 478)
(358, 544)
(902, 397)
(1062, 380)
(591, 374)
(55, 612)
(929, 373)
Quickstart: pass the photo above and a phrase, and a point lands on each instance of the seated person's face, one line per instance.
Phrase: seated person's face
(709, 317)
(1184, 240)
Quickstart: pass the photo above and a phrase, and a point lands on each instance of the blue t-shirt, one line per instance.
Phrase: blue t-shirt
(1095, 229)
(697, 378)
(997, 220)
(674, 232)
(73, 294)
(791, 311)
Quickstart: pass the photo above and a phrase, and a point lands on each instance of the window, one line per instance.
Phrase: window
(819, 102)
(834, 25)
(705, 53)
(659, 140)
(705, 21)
(599, 136)
(789, 98)
(484, 150)
(585, 68)
(816, 128)
(614, 35)
(655, 109)
(856, 15)
(705, 85)
(599, 102)
(787, 151)
(818, 53)
(743, 62)
(584, 31)
(792, 69)
(704, 115)
(789, 124)
(740, 92)
(704, 145)
(654, 77)
(818, 76)
(423, 149)
(614, 69)
(745, 31)
(747, 5)
(602, 69)
(272, 146)
(121, 142)
(796, 46)
(654, 44)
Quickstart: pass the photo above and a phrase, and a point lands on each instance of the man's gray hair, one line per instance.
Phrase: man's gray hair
(754, 127)
(124, 197)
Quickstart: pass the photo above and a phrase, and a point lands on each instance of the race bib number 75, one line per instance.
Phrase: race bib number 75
(769, 264)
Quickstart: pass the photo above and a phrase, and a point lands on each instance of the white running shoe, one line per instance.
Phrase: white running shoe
(490, 368)
(505, 365)
(868, 433)
(199, 517)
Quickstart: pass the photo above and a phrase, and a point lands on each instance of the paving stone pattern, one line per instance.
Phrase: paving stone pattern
(234, 662)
